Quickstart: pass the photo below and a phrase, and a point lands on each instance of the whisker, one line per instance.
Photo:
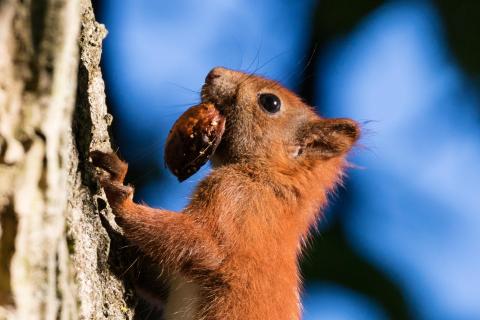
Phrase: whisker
(240, 49)
(182, 87)
(304, 69)
(257, 55)
(270, 60)
(251, 74)
(147, 150)
(125, 271)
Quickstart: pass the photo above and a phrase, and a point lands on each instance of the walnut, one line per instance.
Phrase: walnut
(193, 139)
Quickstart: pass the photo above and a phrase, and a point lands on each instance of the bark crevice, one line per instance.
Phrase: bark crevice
(8, 232)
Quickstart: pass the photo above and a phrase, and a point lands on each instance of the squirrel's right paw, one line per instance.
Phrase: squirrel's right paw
(116, 192)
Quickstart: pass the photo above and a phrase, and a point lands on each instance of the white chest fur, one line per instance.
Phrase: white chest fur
(183, 299)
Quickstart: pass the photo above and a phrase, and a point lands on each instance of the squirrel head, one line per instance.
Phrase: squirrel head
(265, 122)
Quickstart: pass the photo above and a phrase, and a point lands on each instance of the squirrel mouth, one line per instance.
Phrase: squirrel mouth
(205, 95)
(209, 94)
(221, 102)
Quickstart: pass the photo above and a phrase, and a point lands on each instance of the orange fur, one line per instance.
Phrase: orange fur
(240, 237)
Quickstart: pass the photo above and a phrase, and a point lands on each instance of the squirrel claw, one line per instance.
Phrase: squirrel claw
(116, 192)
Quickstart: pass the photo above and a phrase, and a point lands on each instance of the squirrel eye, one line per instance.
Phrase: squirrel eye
(269, 102)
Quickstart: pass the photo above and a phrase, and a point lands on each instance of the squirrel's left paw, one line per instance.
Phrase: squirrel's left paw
(111, 163)
(111, 179)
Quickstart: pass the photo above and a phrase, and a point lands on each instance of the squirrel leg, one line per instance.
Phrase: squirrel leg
(172, 239)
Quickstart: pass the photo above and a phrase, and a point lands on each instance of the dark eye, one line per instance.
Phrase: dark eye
(269, 102)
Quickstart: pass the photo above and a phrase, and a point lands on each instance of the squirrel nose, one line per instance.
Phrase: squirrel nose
(213, 74)
(221, 84)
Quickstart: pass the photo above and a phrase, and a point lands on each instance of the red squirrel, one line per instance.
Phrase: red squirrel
(233, 252)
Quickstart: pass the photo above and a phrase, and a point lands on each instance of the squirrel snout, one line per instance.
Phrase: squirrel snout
(221, 72)
(213, 74)
(220, 86)
(223, 76)
(220, 76)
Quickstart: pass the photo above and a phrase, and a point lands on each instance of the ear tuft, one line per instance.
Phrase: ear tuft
(328, 138)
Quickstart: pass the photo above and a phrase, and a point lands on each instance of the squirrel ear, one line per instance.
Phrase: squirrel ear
(327, 138)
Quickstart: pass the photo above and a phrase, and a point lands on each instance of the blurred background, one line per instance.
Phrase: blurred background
(402, 240)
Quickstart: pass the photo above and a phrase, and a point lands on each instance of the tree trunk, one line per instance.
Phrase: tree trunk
(54, 244)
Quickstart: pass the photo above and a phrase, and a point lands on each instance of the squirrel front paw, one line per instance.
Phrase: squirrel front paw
(111, 163)
(112, 177)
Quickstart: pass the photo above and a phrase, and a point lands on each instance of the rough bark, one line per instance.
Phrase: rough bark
(54, 244)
